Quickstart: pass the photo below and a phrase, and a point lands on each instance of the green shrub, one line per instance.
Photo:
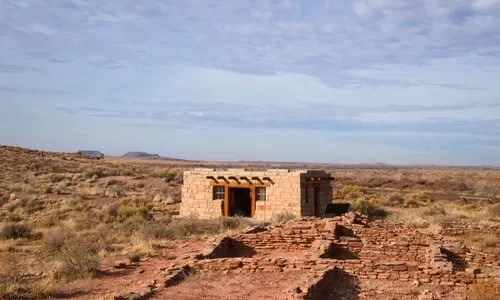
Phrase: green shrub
(15, 231)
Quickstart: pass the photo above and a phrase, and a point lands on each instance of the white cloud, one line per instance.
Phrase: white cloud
(337, 66)
(265, 36)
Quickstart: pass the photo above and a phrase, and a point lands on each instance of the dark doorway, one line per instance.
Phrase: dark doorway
(317, 207)
(240, 202)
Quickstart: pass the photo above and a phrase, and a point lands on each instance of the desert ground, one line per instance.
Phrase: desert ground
(73, 227)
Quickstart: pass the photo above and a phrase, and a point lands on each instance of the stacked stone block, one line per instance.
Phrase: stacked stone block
(381, 251)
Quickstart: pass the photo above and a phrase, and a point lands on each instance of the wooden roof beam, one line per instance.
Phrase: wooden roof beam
(234, 178)
(213, 178)
(223, 178)
(268, 179)
(258, 179)
(246, 179)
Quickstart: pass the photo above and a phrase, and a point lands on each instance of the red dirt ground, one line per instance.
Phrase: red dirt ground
(133, 278)
(242, 286)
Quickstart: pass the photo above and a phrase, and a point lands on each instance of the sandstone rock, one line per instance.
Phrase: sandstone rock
(472, 271)
(426, 295)
(121, 265)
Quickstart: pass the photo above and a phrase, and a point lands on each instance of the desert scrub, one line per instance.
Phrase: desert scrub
(370, 208)
(283, 217)
(349, 192)
(15, 231)
(416, 199)
(394, 199)
(87, 221)
(4, 198)
(89, 173)
(493, 211)
(168, 174)
(73, 256)
(191, 226)
(484, 290)
(417, 223)
(129, 210)
(14, 287)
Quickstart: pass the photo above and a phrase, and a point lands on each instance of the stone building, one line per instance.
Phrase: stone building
(210, 193)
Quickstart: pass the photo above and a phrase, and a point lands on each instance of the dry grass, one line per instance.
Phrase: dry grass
(192, 226)
(14, 287)
(369, 207)
(485, 290)
(467, 181)
(15, 231)
(283, 217)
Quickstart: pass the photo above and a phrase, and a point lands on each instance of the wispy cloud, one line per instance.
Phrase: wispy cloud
(312, 116)
(28, 90)
(13, 68)
(261, 37)
(329, 68)
(65, 110)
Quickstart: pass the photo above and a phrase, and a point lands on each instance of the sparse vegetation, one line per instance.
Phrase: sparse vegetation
(483, 290)
(349, 192)
(193, 226)
(15, 231)
(283, 217)
(74, 256)
(369, 207)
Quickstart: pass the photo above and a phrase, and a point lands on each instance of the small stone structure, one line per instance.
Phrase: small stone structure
(210, 193)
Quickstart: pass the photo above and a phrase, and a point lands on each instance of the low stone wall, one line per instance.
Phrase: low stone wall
(289, 236)
(390, 242)
(457, 229)
(397, 271)
(333, 282)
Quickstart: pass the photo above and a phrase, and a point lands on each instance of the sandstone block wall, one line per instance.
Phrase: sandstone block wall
(285, 192)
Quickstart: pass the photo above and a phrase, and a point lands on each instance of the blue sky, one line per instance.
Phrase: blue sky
(341, 81)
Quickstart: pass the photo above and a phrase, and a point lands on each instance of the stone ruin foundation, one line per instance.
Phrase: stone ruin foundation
(337, 253)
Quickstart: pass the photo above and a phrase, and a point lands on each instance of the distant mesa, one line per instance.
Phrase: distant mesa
(139, 154)
(91, 153)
